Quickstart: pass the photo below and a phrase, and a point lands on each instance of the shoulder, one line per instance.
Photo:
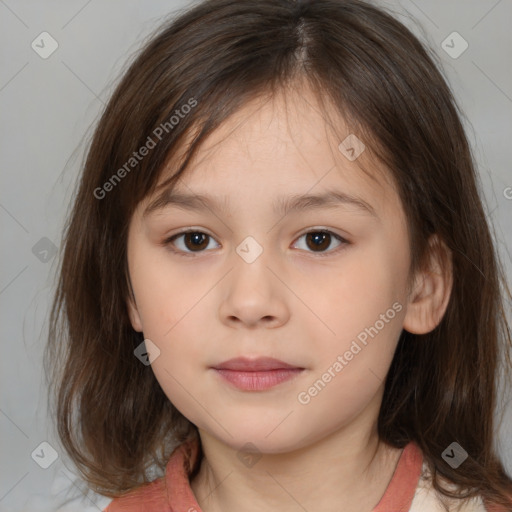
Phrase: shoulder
(173, 487)
(146, 498)
(427, 499)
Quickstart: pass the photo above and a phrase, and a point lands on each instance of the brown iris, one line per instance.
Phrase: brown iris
(195, 240)
(319, 239)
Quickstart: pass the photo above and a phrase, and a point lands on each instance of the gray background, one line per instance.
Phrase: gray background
(48, 107)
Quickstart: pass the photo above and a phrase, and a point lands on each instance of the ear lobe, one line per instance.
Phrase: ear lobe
(133, 313)
(431, 292)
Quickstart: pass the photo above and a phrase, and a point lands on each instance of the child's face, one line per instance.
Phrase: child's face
(303, 300)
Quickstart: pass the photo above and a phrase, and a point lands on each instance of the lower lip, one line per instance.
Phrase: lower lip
(258, 381)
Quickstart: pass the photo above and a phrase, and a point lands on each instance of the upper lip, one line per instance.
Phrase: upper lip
(253, 365)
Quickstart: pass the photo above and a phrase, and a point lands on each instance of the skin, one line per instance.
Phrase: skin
(294, 303)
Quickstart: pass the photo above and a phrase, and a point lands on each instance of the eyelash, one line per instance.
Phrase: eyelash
(168, 242)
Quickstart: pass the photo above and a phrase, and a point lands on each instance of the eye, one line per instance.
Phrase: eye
(321, 239)
(193, 241)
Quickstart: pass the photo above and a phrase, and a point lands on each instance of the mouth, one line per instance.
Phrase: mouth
(256, 374)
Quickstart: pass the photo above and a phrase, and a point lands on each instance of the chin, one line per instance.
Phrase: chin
(257, 439)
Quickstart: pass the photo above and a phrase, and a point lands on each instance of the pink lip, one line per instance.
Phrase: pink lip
(256, 374)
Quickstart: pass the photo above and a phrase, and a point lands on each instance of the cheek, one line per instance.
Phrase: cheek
(165, 293)
(173, 307)
(365, 286)
(364, 307)
(180, 383)
(178, 332)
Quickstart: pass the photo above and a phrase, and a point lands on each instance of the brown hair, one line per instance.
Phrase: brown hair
(112, 416)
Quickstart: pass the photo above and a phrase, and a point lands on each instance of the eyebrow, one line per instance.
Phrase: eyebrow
(282, 206)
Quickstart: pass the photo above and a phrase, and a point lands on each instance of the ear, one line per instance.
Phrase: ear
(431, 292)
(133, 311)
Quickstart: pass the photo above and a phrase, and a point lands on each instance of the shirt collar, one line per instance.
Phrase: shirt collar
(397, 497)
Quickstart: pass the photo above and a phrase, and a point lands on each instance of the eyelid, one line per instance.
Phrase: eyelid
(167, 242)
(318, 229)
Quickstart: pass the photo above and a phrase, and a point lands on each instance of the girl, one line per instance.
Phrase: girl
(279, 286)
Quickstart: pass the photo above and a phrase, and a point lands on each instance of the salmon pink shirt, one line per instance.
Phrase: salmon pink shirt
(408, 490)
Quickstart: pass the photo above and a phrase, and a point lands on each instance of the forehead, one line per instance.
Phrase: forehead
(284, 144)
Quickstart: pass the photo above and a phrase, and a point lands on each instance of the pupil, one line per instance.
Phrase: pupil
(196, 239)
(319, 237)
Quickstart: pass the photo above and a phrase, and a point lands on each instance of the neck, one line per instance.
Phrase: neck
(349, 467)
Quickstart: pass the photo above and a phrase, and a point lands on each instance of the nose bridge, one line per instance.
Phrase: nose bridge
(250, 250)
(251, 262)
(253, 289)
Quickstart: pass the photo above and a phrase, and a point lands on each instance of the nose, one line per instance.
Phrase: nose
(254, 295)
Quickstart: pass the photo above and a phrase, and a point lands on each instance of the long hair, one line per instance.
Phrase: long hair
(112, 416)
